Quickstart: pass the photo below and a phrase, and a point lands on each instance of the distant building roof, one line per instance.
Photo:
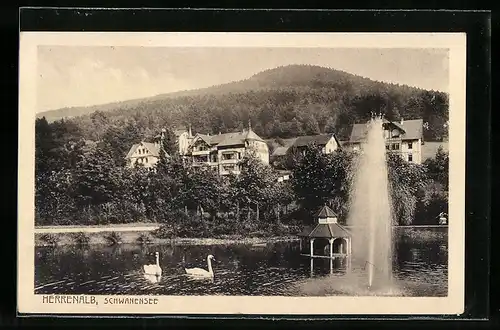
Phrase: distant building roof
(178, 132)
(321, 139)
(229, 139)
(411, 130)
(280, 151)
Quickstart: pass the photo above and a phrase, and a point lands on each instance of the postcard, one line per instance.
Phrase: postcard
(241, 173)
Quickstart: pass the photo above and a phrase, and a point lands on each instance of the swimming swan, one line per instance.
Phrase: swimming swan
(199, 272)
(154, 269)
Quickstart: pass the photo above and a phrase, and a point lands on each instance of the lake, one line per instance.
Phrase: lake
(420, 268)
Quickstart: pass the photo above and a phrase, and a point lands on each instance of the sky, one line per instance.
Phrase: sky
(88, 75)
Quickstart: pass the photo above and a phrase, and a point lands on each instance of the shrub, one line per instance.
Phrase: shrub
(50, 239)
(145, 238)
(114, 238)
(81, 238)
(165, 231)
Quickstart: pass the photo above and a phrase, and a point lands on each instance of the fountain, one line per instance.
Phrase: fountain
(370, 215)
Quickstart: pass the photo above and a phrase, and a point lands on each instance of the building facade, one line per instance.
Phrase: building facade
(327, 142)
(223, 152)
(404, 138)
(144, 153)
(183, 139)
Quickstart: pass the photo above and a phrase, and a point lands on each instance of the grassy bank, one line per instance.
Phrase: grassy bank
(144, 237)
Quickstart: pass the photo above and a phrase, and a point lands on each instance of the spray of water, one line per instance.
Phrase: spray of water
(370, 209)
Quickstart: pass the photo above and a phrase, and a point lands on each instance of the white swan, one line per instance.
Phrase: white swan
(199, 272)
(154, 269)
(152, 278)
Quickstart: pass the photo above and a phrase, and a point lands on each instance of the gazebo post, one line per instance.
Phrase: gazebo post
(331, 247)
(349, 253)
(312, 247)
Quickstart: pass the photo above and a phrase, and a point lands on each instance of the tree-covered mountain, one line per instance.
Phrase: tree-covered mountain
(281, 102)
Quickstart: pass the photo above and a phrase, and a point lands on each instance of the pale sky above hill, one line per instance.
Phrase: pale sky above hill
(81, 76)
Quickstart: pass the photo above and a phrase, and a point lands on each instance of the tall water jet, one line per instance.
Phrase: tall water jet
(370, 208)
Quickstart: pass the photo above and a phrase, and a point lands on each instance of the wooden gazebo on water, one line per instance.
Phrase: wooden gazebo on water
(328, 239)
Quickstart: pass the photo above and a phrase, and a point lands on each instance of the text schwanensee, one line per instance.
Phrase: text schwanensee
(92, 300)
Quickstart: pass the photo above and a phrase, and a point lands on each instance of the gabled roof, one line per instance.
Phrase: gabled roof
(203, 137)
(280, 151)
(413, 129)
(325, 230)
(251, 135)
(320, 140)
(153, 149)
(326, 212)
(229, 139)
(132, 150)
(178, 132)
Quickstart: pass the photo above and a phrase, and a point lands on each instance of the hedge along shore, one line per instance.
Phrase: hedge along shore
(65, 235)
(130, 234)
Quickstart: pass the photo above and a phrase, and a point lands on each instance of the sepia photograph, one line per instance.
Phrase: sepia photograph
(214, 166)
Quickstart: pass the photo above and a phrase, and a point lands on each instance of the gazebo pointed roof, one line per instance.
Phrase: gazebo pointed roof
(326, 212)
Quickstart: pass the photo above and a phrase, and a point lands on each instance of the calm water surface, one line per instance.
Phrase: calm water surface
(420, 269)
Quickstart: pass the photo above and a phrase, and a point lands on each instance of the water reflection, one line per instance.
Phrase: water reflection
(420, 269)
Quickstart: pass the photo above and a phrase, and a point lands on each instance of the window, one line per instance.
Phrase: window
(229, 156)
(387, 146)
(146, 160)
(395, 146)
(410, 145)
(410, 157)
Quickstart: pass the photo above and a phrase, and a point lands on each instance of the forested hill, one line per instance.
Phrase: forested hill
(280, 102)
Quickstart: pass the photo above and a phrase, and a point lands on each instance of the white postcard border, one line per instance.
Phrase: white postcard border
(28, 302)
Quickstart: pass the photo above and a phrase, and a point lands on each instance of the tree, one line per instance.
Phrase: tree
(311, 126)
(405, 180)
(97, 179)
(54, 198)
(311, 181)
(438, 167)
(254, 184)
(118, 140)
(169, 142)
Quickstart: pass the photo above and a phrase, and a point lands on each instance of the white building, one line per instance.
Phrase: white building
(144, 153)
(404, 138)
(223, 152)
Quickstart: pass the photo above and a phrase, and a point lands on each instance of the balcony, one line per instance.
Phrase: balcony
(200, 152)
(229, 161)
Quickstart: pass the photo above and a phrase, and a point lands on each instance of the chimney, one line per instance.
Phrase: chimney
(190, 133)
(402, 121)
